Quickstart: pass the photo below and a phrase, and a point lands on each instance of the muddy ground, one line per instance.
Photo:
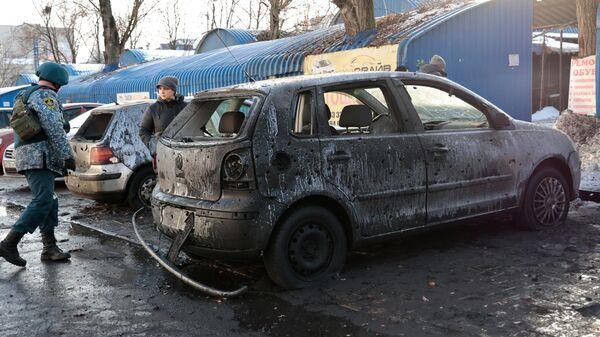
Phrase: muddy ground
(474, 279)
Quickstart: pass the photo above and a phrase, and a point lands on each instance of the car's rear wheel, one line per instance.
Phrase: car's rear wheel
(309, 245)
(140, 188)
(546, 202)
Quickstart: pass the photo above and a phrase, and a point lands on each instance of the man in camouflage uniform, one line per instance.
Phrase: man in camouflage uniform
(41, 159)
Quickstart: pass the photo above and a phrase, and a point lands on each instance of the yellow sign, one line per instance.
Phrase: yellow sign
(384, 58)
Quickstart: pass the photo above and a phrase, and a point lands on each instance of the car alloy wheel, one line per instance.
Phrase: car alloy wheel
(145, 190)
(549, 201)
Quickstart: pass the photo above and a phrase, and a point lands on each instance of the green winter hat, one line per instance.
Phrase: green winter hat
(54, 73)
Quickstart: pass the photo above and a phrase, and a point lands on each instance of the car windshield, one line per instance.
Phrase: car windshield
(206, 119)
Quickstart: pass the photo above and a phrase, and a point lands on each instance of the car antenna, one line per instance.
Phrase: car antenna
(236, 60)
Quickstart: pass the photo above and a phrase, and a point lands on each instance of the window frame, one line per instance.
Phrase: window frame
(314, 117)
(468, 98)
(383, 84)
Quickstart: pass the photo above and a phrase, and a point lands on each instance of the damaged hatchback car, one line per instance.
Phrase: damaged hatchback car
(112, 162)
(300, 170)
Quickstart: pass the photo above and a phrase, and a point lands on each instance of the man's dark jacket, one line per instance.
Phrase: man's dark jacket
(158, 116)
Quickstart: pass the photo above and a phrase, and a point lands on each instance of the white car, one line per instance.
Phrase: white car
(70, 110)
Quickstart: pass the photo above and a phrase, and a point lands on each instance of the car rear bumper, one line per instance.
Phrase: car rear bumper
(10, 169)
(232, 228)
(99, 181)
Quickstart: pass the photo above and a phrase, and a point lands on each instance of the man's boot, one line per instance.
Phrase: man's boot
(8, 248)
(51, 252)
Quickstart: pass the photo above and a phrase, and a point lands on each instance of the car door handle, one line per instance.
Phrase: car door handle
(439, 148)
(339, 156)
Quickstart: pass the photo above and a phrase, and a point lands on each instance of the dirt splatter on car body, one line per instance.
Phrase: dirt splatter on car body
(396, 170)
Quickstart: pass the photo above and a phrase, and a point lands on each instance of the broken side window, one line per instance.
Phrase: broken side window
(439, 109)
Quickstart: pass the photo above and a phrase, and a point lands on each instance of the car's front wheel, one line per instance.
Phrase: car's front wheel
(546, 202)
(140, 188)
(309, 245)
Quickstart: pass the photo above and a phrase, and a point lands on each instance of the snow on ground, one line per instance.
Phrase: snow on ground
(547, 113)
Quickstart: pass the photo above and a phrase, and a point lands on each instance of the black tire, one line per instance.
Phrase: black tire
(141, 184)
(546, 201)
(309, 245)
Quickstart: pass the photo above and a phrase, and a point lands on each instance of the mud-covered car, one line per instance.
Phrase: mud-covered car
(321, 164)
(112, 163)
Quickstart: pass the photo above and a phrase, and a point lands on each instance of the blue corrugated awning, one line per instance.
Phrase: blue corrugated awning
(221, 37)
(135, 56)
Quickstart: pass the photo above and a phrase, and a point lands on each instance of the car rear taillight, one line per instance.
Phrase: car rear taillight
(101, 155)
(238, 172)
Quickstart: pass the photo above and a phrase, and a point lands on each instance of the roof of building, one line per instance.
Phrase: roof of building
(221, 37)
(259, 60)
(137, 56)
(554, 14)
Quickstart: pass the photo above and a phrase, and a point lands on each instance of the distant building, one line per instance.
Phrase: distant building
(22, 47)
(180, 44)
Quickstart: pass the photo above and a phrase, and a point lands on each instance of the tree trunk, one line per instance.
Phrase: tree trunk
(586, 20)
(274, 23)
(358, 15)
(111, 34)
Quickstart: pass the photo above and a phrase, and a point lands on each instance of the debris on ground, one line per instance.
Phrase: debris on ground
(585, 132)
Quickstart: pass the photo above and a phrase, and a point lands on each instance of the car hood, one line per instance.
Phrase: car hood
(5, 131)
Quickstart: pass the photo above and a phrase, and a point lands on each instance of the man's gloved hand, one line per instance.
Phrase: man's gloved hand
(70, 164)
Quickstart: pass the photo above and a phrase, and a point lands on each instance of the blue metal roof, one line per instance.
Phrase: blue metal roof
(136, 56)
(8, 94)
(80, 69)
(215, 38)
(24, 79)
(475, 42)
(74, 70)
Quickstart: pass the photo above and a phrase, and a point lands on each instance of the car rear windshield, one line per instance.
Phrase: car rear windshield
(205, 119)
(94, 127)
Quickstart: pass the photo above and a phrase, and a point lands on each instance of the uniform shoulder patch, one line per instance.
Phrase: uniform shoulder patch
(50, 102)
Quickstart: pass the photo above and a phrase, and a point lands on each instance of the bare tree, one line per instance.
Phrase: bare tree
(47, 31)
(222, 15)
(118, 31)
(171, 18)
(256, 12)
(10, 68)
(70, 15)
(586, 21)
(275, 20)
(358, 15)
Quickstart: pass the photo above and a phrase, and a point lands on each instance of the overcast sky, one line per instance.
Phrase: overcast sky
(16, 12)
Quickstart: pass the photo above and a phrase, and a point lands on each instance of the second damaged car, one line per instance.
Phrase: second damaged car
(112, 162)
(300, 170)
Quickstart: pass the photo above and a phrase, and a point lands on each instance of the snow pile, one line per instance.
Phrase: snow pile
(585, 132)
(547, 113)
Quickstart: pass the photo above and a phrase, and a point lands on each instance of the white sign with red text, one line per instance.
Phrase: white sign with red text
(582, 85)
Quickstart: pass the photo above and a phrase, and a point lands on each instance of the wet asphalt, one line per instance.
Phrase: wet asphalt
(471, 279)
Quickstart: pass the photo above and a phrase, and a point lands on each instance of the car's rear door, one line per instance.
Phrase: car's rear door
(380, 167)
(470, 165)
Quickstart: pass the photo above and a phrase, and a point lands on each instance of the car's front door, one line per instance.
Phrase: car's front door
(469, 166)
(370, 157)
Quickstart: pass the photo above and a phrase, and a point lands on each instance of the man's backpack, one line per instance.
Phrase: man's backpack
(24, 120)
